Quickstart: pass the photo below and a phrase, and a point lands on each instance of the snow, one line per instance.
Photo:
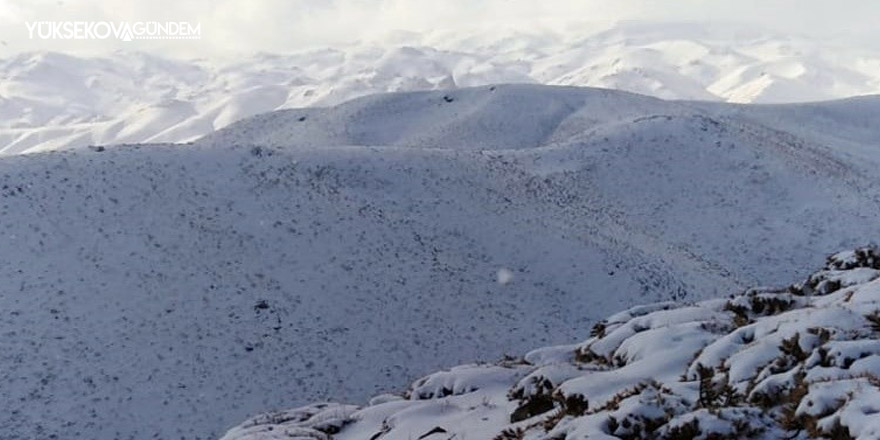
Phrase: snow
(339, 253)
(504, 276)
(654, 394)
(53, 101)
(463, 379)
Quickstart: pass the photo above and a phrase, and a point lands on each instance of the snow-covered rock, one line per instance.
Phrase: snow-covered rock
(790, 363)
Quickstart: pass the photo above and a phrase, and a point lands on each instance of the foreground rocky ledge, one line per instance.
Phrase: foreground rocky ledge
(796, 363)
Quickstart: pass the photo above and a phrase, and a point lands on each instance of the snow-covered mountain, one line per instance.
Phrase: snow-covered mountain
(167, 291)
(795, 363)
(51, 101)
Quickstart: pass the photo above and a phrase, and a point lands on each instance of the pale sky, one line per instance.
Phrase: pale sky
(231, 27)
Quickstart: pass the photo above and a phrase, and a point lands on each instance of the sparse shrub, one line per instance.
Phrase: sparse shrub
(768, 306)
(868, 256)
(823, 333)
(828, 286)
(553, 420)
(763, 400)
(685, 431)
(838, 432)
(714, 395)
(637, 427)
(791, 347)
(824, 359)
(744, 429)
(611, 425)
(511, 434)
(536, 404)
(740, 314)
(796, 289)
(790, 402)
(874, 320)
(575, 405)
(587, 356)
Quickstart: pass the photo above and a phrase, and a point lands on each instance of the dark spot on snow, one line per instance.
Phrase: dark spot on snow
(302, 118)
(261, 305)
(436, 430)
(97, 148)
(448, 98)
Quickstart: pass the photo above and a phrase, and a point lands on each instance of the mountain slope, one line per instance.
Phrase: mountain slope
(172, 290)
(166, 291)
(796, 363)
(50, 101)
(688, 172)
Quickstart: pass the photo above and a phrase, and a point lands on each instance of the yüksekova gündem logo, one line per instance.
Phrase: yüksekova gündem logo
(110, 30)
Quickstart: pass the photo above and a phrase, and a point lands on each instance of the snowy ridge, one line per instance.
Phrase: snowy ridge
(52, 101)
(797, 363)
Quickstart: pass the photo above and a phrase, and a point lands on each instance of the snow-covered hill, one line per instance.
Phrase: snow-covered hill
(641, 163)
(172, 290)
(51, 101)
(795, 363)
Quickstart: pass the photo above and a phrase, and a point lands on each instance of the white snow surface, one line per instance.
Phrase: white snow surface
(168, 291)
(52, 101)
(809, 357)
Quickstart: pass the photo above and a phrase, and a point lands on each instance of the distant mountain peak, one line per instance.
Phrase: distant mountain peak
(716, 62)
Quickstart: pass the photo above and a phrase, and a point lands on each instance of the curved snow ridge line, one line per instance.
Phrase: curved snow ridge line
(55, 101)
(799, 362)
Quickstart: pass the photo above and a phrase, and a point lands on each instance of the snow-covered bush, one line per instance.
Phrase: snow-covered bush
(796, 363)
